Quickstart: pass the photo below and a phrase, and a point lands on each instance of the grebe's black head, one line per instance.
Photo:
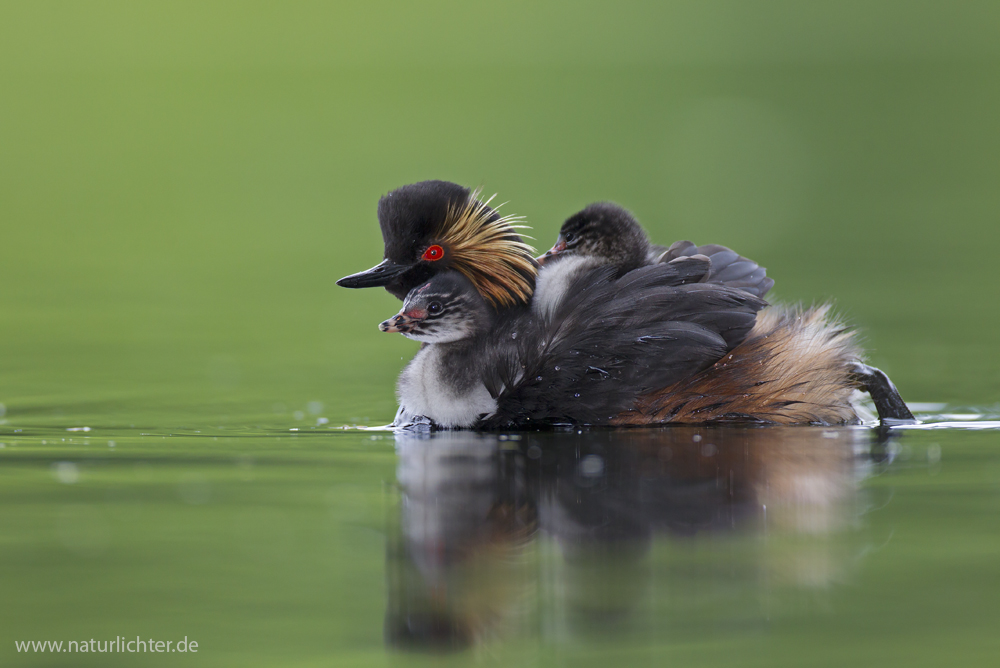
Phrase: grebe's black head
(434, 226)
(603, 230)
(447, 308)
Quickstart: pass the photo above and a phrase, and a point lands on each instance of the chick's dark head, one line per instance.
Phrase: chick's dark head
(606, 231)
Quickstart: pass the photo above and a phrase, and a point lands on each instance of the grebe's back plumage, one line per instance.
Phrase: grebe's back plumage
(729, 268)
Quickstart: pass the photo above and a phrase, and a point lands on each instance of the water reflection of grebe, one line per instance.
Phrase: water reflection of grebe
(575, 525)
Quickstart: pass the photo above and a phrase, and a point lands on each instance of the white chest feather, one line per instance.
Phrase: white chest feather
(426, 388)
(554, 280)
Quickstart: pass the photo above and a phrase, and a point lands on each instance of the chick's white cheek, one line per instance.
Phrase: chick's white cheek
(438, 336)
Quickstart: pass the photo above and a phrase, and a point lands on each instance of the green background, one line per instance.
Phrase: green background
(181, 183)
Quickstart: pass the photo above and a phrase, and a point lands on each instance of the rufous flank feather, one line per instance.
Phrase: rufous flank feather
(793, 368)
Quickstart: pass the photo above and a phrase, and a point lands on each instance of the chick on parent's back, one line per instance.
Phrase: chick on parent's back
(606, 234)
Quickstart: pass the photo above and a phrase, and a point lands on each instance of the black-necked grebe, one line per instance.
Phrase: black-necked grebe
(648, 346)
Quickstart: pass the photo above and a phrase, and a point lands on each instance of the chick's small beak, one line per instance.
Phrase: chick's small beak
(392, 324)
(401, 322)
(555, 250)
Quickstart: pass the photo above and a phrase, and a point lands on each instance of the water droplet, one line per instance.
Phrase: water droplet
(538, 378)
(513, 335)
(557, 368)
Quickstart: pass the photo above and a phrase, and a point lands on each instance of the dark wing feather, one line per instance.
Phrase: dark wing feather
(691, 268)
(609, 342)
(655, 251)
(728, 267)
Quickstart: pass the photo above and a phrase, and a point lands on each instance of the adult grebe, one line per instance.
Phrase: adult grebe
(788, 367)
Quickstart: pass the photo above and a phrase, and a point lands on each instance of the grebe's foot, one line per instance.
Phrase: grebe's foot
(406, 420)
(417, 424)
(892, 410)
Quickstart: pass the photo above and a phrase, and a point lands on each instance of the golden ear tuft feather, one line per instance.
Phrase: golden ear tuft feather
(487, 250)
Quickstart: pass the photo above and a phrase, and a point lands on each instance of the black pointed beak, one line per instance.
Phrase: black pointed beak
(380, 274)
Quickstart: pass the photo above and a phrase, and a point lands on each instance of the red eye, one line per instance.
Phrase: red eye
(434, 253)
